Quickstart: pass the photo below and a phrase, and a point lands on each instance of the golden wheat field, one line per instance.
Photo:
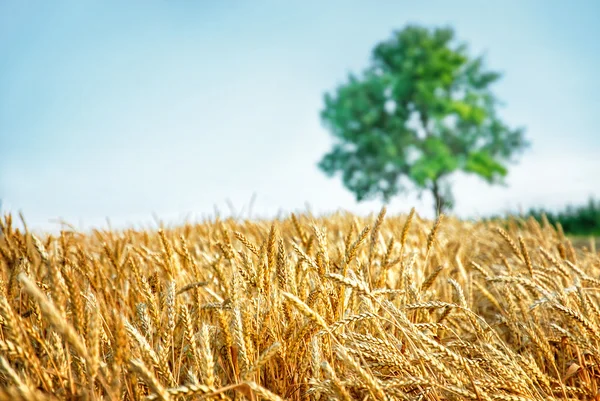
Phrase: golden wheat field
(337, 307)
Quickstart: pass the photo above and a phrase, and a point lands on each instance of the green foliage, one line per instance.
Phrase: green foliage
(575, 220)
(421, 111)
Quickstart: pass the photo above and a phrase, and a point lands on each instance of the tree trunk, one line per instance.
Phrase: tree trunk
(438, 199)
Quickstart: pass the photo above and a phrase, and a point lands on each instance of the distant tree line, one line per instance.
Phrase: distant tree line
(575, 220)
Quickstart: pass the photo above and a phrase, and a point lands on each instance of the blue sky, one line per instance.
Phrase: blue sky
(124, 109)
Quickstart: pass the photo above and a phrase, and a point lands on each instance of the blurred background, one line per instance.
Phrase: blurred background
(125, 110)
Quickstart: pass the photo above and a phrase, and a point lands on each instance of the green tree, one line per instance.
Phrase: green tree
(420, 112)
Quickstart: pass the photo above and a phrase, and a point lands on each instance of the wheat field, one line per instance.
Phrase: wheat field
(338, 307)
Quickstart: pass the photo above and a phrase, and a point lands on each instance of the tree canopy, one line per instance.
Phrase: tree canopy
(422, 110)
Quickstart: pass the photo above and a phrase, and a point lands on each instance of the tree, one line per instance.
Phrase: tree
(420, 112)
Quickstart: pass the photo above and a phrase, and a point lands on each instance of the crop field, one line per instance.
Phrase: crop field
(338, 307)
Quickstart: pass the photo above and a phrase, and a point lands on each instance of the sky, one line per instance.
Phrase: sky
(122, 111)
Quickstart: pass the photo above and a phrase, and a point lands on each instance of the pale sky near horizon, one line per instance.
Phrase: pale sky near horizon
(119, 110)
